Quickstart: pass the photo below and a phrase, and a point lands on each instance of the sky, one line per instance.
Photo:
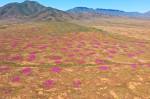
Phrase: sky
(125, 5)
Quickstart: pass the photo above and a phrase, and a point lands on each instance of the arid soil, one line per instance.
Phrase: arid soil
(77, 65)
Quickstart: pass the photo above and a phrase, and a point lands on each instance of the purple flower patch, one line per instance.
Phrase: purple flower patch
(99, 61)
(32, 57)
(58, 61)
(15, 79)
(26, 71)
(131, 55)
(133, 66)
(16, 58)
(56, 69)
(14, 44)
(77, 83)
(104, 68)
(48, 84)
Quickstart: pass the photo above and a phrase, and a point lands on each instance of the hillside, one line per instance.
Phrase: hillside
(31, 10)
(57, 60)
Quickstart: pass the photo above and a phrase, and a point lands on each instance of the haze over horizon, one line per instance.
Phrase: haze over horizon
(125, 5)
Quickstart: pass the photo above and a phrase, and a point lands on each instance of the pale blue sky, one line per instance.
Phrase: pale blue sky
(126, 5)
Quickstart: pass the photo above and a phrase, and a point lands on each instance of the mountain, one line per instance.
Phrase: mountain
(117, 13)
(31, 10)
(84, 11)
(81, 10)
(147, 13)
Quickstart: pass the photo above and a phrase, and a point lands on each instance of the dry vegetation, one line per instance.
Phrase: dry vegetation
(66, 61)
(137, 28)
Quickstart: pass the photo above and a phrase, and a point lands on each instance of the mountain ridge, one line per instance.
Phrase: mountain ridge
(32, 10)
(109, 12)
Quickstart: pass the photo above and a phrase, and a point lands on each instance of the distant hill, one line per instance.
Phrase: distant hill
(31, 10)
(147, 13)
(84, 11)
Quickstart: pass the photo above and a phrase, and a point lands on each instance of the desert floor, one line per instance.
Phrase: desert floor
(40, 61)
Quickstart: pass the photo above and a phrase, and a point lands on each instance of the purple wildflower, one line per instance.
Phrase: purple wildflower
(26, 71)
